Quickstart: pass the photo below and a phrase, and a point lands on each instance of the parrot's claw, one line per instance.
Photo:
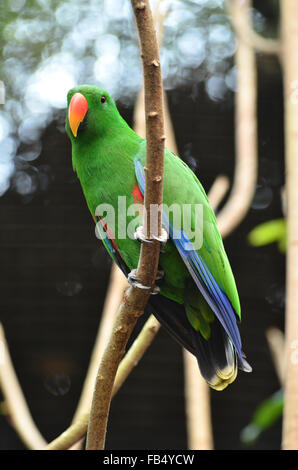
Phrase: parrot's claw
(155, 291)
(140, 236)
(163, 237)
(160, 275)
(133, 280)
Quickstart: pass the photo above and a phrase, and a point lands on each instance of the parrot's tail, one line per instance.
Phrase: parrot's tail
(216, 356)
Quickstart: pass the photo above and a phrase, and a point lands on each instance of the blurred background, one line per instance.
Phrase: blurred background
(54, 271)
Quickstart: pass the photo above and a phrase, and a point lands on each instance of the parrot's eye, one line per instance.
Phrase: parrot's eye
(103, 99)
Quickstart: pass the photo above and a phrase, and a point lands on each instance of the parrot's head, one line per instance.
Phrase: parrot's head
(91, 113)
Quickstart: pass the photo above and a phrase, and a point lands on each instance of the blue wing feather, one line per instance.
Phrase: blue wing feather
(205, 281)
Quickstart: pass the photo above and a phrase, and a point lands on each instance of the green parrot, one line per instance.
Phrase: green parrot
(197, 300)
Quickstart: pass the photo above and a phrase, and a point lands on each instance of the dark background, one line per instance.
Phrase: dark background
(54, 274)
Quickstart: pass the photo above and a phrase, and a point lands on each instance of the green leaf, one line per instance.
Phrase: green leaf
(265, 416)
(269, 232)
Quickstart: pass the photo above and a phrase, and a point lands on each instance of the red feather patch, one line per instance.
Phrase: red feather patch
(110, 235)
(137, 195)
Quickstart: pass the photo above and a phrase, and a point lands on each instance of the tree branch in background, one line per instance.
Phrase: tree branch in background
(218, 191)
(136, 352)
(117, 286)
(289, 10)
(197, 402)
(245, 176)
(78, 429)
(16, 406)
(134, 303)
(247, 34)
(197, 393)
(115, 292)
(276, 342)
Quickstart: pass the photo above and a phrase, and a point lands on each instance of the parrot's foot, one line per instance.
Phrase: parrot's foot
(160, 275)
(133, 280)
(140, 236)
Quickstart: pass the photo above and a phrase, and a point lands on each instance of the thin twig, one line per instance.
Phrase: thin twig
(218, 191)
(198, 412)
(17, 408)
(78, 430)
(289, 9)
(245, 175)
(117, 286)
(136, 352)
(134, 303)
(247, 34)
(276, 342)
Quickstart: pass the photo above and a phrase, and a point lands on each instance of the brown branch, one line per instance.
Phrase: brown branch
(197, 394)
(245, 175)
(134, 303)
(289, 9)
(247, 34)
(16, 406)
(143, 341)
(140, 124)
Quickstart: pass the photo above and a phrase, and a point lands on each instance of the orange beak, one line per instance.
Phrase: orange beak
(77, 110)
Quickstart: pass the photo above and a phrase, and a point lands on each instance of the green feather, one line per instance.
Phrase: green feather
(103, 156)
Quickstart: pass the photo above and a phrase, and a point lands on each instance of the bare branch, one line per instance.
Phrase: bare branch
(276, 342)
(197, 393)
(245, 175)
(218, 191)
(198, 413)
(247, 34)
(136, 352)
(289, 9)
(17, 408)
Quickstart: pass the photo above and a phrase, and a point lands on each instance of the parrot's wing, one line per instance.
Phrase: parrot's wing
(182, 187)
(212, 290)
(169, 313)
